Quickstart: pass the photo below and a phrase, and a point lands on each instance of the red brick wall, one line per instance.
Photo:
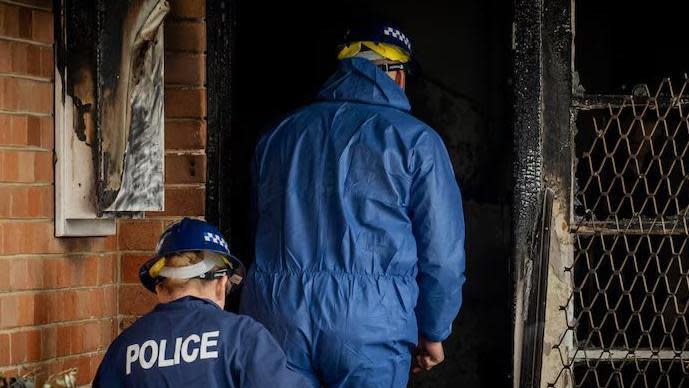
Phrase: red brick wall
(62, 301)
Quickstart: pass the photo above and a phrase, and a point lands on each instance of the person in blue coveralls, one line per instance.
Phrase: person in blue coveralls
(188, 340)
(360, 230)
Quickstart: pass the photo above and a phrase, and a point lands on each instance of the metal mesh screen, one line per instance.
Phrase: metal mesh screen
(626, 316)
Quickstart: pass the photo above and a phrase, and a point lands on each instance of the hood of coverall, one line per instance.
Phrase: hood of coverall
(359, 80)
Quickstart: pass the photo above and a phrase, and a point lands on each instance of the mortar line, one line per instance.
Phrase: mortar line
(21, 40)
(25, 113)
(22, 329)
(21, 148)
(37, 291)
(27, 77)
(24, 5)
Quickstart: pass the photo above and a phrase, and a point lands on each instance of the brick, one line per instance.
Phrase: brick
(35, 274)
(91, 336)
(76, 339)
(6, 201)
(185, 36)
(185, 168)
(49, 342)
(33, 131)
(64, 341)
(91, 303)
(42, 27)
(184, 201)
(38, 237)
(107, 333)
(9, 166)
(33, 345)
(26, 95)
(185, 103)
(135, 300)
(26, 131)
(64, 276)
(47, 63)
(89, 270)
(47, 133)
(4, 275)
(18, 346)
(6, 55)
(43, 167)
(26, 202)
(19, 202)
(19, 275)
(9, 20)
(130, 267)
(51, 271)
(26, 346)
(9, 311)
(5, 352)
(83, 364)
(185, 68)
(67, 308)
(107, 269)
(25, 23)
(26, 309)
(26, 166)
(26, 59)
(41, 203)
(187, 8)
(139, 235)
(110, 301)
(185, 135)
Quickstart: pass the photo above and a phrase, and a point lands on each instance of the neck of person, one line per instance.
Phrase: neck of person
(205, 292)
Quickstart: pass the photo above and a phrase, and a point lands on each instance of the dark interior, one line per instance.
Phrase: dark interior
(620, 44)
(285, 50)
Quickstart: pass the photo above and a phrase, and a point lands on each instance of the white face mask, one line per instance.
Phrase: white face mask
(210, 260)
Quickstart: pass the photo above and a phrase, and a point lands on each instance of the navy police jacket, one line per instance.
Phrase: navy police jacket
(192, 342)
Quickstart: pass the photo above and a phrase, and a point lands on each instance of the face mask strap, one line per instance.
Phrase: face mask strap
(387, 67)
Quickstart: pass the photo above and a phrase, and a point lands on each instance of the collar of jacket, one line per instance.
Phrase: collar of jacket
(359, 80)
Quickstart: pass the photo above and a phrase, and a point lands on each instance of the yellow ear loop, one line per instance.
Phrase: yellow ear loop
(349, 50)
(156, 267)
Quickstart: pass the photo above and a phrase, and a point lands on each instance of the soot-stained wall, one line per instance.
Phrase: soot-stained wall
(462, 92)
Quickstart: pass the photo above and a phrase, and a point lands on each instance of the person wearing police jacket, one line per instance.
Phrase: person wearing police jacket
(360, 230)
(188, 340)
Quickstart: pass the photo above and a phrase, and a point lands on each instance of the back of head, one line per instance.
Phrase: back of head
(192, 258)
(182, 259)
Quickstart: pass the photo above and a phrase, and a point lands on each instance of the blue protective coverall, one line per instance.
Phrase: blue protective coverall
(191, 342)
(359, 234)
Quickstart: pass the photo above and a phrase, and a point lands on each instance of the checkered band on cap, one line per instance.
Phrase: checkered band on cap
(397, 34)
(216, 239)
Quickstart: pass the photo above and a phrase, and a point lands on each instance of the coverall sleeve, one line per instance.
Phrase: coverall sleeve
(263, 363)
(438, 226)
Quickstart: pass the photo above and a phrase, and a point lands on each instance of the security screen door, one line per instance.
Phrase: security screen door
(618, 315)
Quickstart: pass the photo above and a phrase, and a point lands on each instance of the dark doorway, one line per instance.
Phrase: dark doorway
(283, 51)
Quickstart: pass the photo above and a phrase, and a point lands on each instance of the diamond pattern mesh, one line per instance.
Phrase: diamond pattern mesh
(626, 317)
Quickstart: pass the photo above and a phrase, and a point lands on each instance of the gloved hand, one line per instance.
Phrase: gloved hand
(427, 355)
